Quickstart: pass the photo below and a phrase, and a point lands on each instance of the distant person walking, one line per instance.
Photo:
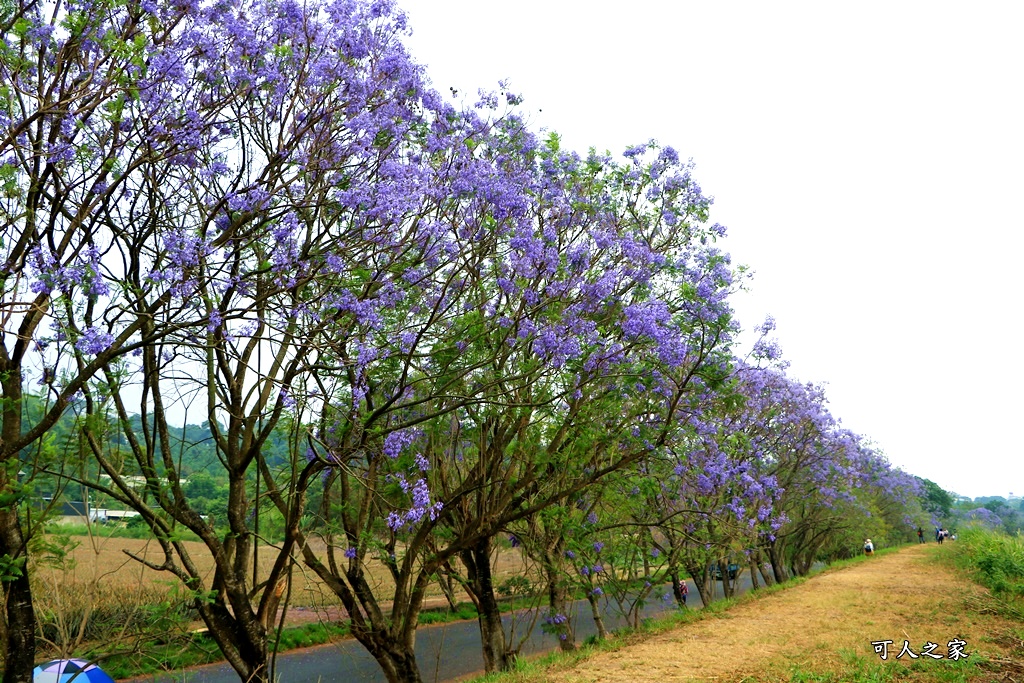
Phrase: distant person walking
(869, 547)
(942, 536)
(683, 591)
(920, 535)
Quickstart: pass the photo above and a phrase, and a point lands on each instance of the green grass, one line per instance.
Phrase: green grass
(114, 530)
(308, 635)
(444, 615)
(994, 559)
(148, 657)
(861, 669)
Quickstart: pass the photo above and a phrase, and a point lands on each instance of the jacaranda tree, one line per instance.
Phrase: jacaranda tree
(655, 298)
(569, 305)
(188, 191)
(75, 148)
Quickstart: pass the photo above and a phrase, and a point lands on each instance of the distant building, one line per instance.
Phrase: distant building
(134, 481)
(81, 512)
(73, 512)
(105, 516)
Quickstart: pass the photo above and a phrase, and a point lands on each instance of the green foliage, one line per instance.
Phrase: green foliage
(308, 635)
(994, 558)
(61, 451)
(11, 567)
(157, 655)
(936, 500)
(135, 527)
(516, 586)
(443, 615)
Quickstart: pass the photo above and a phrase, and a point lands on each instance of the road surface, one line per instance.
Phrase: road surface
(445, 652)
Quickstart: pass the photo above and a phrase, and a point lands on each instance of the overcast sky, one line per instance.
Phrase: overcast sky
(866, 158)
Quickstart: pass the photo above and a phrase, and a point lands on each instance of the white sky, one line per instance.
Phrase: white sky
(866, 158)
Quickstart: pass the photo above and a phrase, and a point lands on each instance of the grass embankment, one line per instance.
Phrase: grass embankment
(824, 629)
(994, 560)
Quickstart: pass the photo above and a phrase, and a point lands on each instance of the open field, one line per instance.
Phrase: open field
(99, 567)
(824, 630)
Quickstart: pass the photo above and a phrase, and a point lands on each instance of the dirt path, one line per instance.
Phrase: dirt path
(820, 626)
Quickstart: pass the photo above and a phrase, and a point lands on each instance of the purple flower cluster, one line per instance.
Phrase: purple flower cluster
(94, 341)
(422, 506)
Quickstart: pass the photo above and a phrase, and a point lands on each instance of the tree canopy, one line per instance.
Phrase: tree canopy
(405, 328)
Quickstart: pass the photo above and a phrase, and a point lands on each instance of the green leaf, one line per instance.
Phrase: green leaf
(21, 27)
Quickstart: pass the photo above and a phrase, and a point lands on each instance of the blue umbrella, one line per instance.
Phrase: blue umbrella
(67, 670)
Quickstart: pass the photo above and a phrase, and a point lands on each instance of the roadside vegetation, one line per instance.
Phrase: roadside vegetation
(994, 559)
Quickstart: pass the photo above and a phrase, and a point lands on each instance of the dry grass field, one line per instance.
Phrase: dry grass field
(99, 569)
(823, 630)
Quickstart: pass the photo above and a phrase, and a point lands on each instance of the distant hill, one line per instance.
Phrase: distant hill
(62, 450)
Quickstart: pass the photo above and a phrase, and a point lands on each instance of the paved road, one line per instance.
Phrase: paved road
(445, 652)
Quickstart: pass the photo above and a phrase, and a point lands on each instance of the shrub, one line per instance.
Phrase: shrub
(994, 557)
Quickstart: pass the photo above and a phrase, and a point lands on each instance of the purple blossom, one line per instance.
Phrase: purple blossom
(94, 341)
(397, 441)
(287, 400)
(421, 506)
(633, 152)
(215, 321)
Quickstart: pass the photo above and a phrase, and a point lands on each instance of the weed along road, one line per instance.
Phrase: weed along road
(445, 651)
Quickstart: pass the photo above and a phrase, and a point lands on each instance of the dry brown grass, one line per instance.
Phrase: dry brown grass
(100, 567)
(813, 627)
(95, 592)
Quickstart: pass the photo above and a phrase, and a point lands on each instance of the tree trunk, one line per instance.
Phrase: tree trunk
(723, 576)
(753, 575)
(766, 577)
(674, 575)
(702, 580)
(243, 642)
(477, 560)
(19, 646)
(559, 604)
(447, 584)
(398, 664)
(775, 556)
(595, 609)
(20, 620)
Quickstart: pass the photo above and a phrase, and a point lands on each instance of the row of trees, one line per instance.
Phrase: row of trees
(261, 213)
